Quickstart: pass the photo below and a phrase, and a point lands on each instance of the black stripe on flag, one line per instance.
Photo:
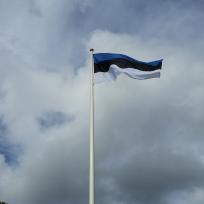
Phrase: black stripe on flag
(104, 66)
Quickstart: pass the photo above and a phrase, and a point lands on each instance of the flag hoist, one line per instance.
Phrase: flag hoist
(107, 67)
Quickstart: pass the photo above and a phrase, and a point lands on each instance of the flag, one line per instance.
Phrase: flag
(108, 66)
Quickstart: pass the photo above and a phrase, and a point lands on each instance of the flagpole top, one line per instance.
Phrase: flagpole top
(91, 50)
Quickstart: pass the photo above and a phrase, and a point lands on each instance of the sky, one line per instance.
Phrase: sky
(148, 134)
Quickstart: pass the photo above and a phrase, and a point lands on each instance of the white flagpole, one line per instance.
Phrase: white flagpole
(91, 147)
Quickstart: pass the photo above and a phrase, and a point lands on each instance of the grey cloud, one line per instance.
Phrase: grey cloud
(54, 119)
(168, 20)
(8, 150)
(149, 134)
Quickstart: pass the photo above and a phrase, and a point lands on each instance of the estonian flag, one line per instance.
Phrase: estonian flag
(107, 67)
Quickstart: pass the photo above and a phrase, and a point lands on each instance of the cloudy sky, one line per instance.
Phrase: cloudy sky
(149, 134)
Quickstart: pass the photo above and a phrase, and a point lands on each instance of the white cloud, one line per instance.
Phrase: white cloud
(145, 130)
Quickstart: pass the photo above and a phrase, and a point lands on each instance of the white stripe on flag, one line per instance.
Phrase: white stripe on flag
(114, 71)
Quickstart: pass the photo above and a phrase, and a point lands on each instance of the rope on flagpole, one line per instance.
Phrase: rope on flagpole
(91, 139)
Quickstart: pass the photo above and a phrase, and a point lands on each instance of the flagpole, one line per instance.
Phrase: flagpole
(91, 139)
